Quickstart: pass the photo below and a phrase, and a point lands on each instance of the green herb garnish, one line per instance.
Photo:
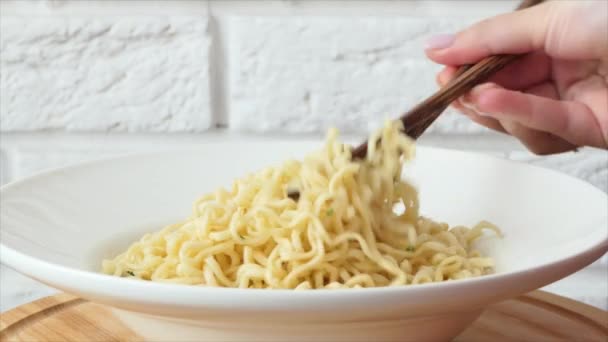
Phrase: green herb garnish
(330, 211)
(410, 248)
(131, 273)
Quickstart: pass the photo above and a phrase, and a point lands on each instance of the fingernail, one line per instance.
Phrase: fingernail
(479, 88)
(470, 99)
(466, 102)
(440, 41)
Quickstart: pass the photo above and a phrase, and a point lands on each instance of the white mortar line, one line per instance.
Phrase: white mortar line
(10, 163)
(49, 140)
(219, 69)
(342, 8)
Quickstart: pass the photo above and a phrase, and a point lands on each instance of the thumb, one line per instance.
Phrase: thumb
(512, 33)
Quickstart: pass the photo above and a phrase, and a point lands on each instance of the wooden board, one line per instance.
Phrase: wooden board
(538, 316)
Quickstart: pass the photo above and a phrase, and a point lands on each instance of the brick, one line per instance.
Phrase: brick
(590, 165)
(103, 7)
(147, 74)
(303, 74)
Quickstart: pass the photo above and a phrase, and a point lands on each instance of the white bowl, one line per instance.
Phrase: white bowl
(57, 226)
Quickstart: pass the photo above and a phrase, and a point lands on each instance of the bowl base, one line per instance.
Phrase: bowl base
(428, 328)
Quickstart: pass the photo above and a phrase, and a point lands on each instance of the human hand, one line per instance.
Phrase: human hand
(553, 99)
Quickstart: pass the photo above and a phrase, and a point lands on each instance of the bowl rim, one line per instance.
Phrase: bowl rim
(153, 292)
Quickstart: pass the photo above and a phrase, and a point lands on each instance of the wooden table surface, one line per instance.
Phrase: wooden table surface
(537, 316)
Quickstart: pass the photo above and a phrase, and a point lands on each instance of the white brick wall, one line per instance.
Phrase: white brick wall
(346, 72)
(81, 80)
(104, 74)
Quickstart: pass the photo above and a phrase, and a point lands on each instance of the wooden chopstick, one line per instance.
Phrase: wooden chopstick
(419, 118)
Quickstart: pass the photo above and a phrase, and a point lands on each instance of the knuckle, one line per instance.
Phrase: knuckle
(541, 150)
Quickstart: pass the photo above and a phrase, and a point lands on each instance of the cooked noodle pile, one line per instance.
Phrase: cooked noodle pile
(325, 222)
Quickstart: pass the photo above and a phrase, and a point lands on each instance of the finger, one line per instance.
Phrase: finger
(516, 33)
(529, 70)
(570, 38)
(443, 78)
(545, 89)
(490, 123)
(569, 120)
(446, 75)
(470, 112)
(524, 72)
(538, 142)
(538, 66)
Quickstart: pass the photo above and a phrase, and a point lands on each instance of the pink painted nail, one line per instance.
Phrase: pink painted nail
(440, 41)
